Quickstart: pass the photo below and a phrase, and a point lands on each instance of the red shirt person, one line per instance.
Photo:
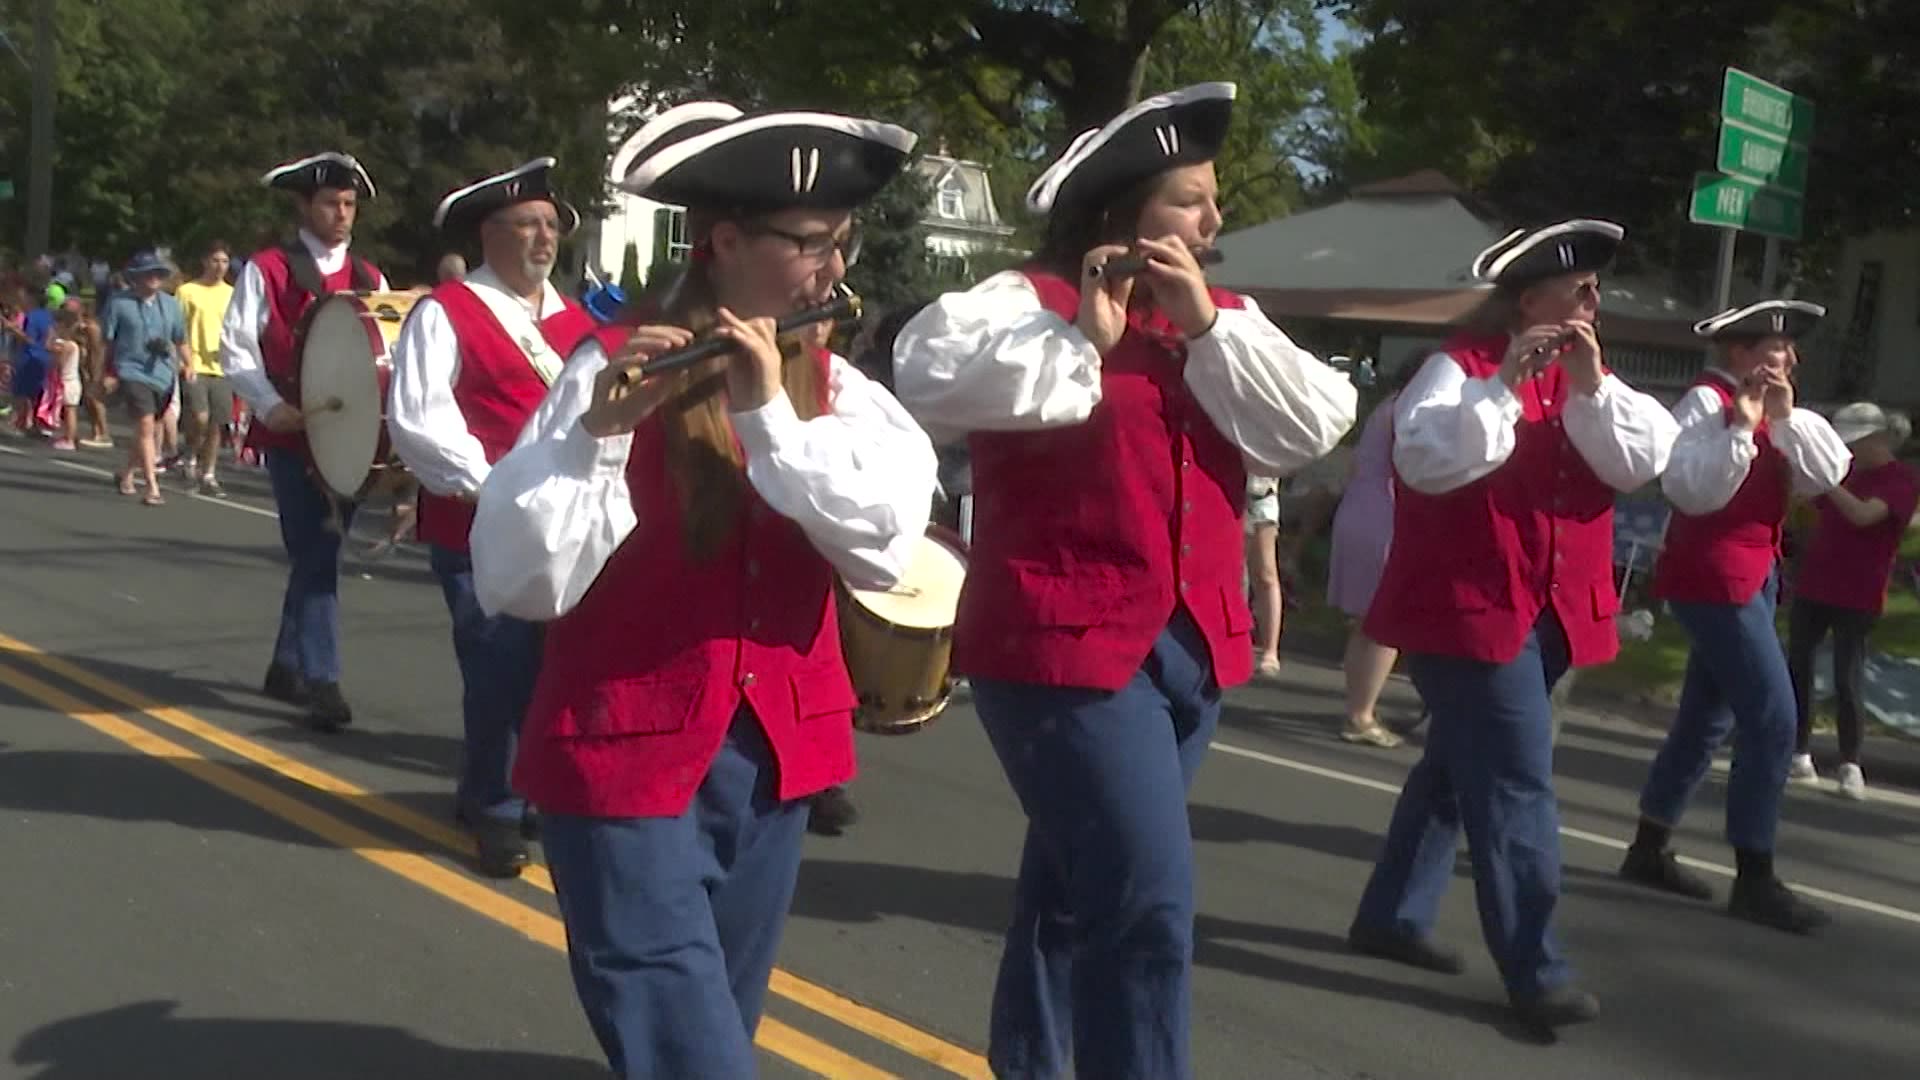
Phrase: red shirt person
(1841, 583)
(680, 535)
(472, 363)
(1111, 420)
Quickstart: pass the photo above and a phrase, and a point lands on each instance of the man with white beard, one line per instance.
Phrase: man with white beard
(473, 362)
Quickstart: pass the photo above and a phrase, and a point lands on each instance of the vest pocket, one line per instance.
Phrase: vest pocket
(652, 705)
(1057, 599)
(825, 694)
(1606, 602)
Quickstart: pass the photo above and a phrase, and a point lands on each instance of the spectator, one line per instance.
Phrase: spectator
(1842, 584)
(64, 348)
(209, 397)
(93, 372)
(1263, 568)
(147, 338)
(30, 357)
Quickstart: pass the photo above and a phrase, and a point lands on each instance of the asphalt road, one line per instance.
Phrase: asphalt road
(194, 886)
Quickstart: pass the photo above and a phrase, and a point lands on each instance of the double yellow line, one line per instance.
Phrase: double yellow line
(775, 1037)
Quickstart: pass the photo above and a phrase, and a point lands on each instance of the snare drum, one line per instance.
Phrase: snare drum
(345, 350)
(898, 642)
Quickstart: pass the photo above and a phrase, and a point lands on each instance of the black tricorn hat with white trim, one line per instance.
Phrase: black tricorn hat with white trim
(1180, 127)
(1525, 256)
(463, 210)
(1768, 318)
(707, 154)
(327, 170)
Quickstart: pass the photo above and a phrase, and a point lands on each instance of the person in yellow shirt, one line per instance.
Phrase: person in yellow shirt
(209, 398)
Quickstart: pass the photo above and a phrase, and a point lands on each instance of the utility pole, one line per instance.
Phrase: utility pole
(40, 149)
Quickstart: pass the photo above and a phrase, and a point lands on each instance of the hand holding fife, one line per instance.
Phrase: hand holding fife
(615, 407)
(1779, 396)
(754, 365)
(1103, 300)
(1582, 358)
(1750, 404)
(1179, 285)
(1530, 351)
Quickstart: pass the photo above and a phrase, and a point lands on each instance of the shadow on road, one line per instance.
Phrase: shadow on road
(148, 1040)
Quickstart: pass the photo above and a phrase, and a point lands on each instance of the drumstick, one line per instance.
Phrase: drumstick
(332, 404)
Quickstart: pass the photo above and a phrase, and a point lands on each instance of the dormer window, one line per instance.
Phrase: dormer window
(952, 198)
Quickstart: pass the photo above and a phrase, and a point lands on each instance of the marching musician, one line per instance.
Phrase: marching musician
(260, 352)
(1112, 419)
(1743, 448)
(471, 365)
(682, 533)
(1510, 444)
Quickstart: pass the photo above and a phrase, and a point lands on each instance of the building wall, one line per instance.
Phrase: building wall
(1871, 340)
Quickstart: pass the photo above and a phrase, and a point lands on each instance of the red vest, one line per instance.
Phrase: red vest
(1471, 570)
(287, 304)
(1724, 557)
(1087, 538)
(641, 681)
(496, 389)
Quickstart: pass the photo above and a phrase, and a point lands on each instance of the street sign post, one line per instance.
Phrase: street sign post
(1765, 135)
(1733, 203)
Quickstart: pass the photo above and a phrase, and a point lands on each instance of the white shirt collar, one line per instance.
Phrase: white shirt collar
(551, 303)
(1723, 375)
(330, 259)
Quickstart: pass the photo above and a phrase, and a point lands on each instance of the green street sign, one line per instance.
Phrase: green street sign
(1733, 203)
(1765, 160)
(1757, 105)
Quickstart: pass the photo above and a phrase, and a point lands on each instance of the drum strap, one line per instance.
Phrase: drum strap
(306, 271)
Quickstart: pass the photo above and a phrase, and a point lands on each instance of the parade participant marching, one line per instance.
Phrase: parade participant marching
(1113, 412)
(1842, 578)
(258, 353)
(471, 365)
(1510, 444)
(1743, 449)
(683, 532)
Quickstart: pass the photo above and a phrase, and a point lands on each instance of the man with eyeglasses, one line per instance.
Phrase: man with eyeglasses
(472, 363)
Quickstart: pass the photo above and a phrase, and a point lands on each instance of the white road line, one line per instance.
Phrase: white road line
(1840, 899)
(74, 466)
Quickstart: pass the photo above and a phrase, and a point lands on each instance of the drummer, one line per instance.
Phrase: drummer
(683, 536)
(471, 365)
(1112, 421)
(260, 351)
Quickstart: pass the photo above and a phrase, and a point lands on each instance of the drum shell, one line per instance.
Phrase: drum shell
(381, 464)
(902, 674)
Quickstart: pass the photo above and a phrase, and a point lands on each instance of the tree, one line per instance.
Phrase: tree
(893, 267)
(630, 281)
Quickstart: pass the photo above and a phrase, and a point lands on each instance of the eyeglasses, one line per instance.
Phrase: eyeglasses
(816, 246)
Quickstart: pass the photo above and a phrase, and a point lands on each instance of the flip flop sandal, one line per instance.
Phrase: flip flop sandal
(125, 483)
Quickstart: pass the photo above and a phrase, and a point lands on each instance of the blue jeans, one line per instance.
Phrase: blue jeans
(1736, 681)
(673, 923)
(309, 638)
(499, 659)
(1101, 944)
(1488, 769)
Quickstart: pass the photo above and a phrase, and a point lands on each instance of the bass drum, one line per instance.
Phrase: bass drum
(898, 642)
(345, 346)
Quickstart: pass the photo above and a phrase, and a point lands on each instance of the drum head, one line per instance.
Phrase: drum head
(338, 363)
(928, 595)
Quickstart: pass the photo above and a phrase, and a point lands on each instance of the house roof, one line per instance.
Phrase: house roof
(1399, 251)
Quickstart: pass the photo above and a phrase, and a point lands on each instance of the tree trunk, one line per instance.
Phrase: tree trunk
(40, 142)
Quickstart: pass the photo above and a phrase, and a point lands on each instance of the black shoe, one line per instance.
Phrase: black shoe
(530, 823)
(1659, 868)
(1557, 1007)
(284, 684)
(1420, 952)
(1769, 902)
(499, 849)
(832, 812)
(326, 708)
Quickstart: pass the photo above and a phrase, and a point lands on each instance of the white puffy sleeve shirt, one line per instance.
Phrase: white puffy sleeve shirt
(994, 359)
(246, 320)
(858, 480)
(1450, 430)
(1712, 457)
